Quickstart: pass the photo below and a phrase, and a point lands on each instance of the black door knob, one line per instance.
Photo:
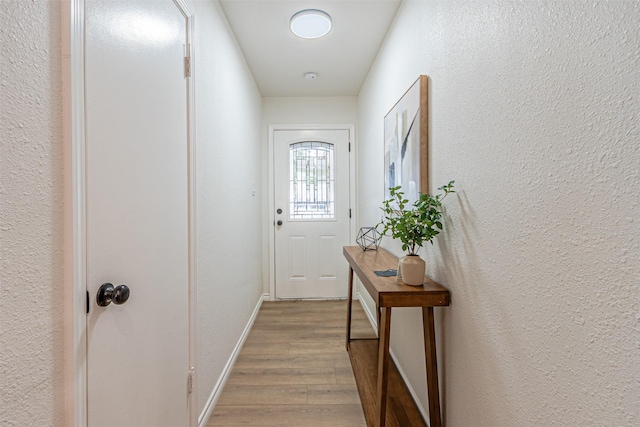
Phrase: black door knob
(279, 222)
(108, 294)
(121, 294)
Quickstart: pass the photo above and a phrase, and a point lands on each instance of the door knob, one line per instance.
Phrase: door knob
(279, 222)
(108, 294)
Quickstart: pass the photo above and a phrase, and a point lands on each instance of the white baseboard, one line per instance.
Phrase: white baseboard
(372, 318)
(374, 323)
(425, 415)
(217, 389)
(267, 297)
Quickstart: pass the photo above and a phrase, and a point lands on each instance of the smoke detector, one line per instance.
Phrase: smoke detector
(310, 76)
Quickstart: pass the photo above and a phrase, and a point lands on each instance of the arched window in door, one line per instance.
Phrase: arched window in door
(311, 180)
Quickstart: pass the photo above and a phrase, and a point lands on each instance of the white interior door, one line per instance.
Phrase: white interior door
(137, 212)
(311, 194)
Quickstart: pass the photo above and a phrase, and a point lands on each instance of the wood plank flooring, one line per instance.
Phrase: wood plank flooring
(294, 370)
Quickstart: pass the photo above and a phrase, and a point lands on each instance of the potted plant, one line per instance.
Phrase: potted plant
(413, 225)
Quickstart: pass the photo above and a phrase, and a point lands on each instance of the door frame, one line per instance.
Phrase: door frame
(270, 179)
(75, 213)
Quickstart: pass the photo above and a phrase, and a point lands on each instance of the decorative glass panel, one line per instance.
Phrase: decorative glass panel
(311, 181)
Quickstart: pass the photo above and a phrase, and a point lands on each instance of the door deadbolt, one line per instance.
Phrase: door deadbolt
(279, 211)
(108, 294)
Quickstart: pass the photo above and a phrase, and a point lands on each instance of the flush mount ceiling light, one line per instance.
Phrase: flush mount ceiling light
(310, 24)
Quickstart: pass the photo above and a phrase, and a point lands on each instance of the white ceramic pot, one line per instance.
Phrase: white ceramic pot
(411, 270)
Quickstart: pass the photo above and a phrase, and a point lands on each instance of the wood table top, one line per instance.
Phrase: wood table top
(388, 291)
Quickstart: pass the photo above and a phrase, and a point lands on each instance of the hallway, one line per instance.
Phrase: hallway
(533, 111)
(294, 370)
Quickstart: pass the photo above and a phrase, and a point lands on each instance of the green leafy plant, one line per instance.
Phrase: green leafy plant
(417, 224)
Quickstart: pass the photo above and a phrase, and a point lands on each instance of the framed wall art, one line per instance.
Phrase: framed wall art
(406, 143)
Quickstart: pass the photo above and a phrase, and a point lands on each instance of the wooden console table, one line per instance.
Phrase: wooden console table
(387, 292)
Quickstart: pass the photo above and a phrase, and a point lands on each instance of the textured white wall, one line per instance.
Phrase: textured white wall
(229, 150)
(298, 111)
(31, 215)
(534, 112)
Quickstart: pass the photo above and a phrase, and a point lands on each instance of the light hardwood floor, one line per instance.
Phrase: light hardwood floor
(294, 370)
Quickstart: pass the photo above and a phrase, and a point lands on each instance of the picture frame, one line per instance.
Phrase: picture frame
(406, 142)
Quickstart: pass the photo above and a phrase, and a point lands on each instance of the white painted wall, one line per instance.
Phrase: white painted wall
(534, 112)
(309, 110)
(228, 138)
(299, 111)
(31, 215)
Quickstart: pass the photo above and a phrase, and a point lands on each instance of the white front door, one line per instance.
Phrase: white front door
(137, 213)
(311, 194)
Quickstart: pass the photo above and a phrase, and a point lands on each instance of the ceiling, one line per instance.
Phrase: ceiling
(279, 60)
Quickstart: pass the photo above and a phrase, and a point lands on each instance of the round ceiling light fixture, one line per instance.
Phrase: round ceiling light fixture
(310, 24)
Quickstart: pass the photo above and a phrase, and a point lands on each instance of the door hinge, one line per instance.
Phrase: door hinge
(349, 213)
(187, 62)
(190, 380)
(187, 66)
(349, 147)
(87, 302)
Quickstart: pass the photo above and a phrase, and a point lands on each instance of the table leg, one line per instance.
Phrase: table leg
(432, 366)
(383, 364)
(349, 304)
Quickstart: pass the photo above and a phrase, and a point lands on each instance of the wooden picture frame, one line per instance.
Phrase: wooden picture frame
(406, 143)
